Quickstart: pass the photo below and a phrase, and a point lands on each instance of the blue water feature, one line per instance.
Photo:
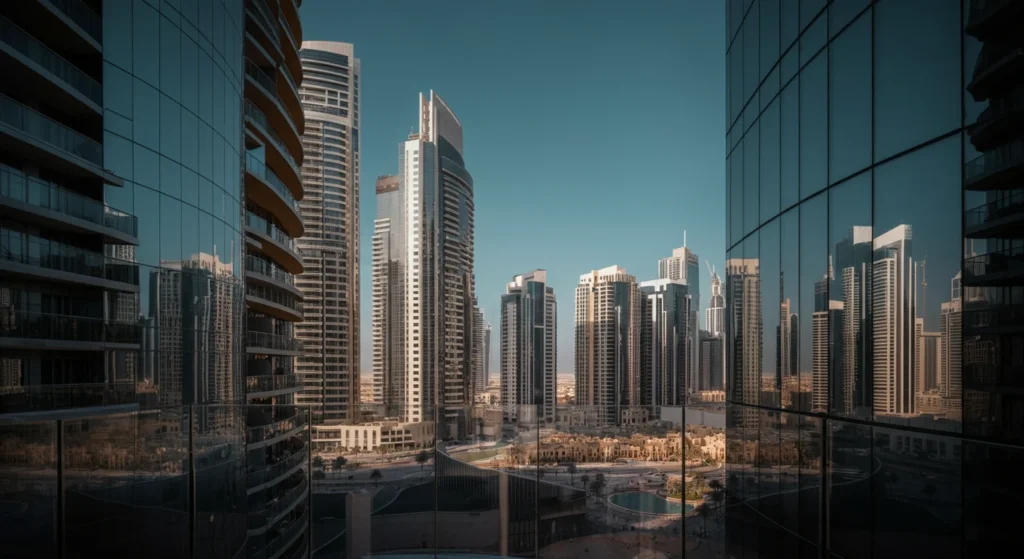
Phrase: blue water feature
(648, 503)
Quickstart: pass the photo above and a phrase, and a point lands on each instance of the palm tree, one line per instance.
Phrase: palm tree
(704, 512)
(318, 462)
(598, 484)
(375, 476)
(339, 463)
(585, 478)
(319, 474)
(718, 497)
(422, 458)
(571, 468)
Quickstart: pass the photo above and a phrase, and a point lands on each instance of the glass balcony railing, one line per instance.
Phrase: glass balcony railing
(52, 255)
(1013, 204)
(260, 169)
(288, 33)
(49, 131)
(265, 268)
(83, 16)
(994, 161)
(272, 341)
(994, 317)
(275, 471)
(276, 296)
(52, 62)
(1004, 261)
(273, 424)
(33, 398)
(266, 18)
(37, 192)
(253, 112)
(274, 232)
(261, 77)
(268, 383)
(49, 326)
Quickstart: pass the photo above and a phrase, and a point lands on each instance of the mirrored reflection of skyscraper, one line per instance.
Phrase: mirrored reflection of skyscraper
(894, 314)
(667, 325)
(743, 327)
(388, 307)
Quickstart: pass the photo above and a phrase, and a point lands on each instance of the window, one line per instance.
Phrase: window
(850, 101)
(813, 127)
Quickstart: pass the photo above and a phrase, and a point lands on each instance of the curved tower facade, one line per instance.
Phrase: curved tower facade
(329, 368)
(273, 156)
(873, 160)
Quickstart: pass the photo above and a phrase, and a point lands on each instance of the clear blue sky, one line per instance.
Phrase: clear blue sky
(594, 129)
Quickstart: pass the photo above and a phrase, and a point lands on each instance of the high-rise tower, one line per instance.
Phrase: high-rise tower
(388, 307)
(528, 350)
(608, 343)
(329, 331)
(666, 343)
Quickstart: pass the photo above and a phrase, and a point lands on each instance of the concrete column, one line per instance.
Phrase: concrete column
(357, 524)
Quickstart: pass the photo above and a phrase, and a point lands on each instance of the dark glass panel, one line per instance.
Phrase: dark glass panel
(771, 382)
(790, 143)
(915, 291)
(812, 392)
(849, 489)
(850, 101)
(787, 336)
(917, 73)
(813, 127)
(769, 50)
(849, 305)
(917, 494)
(769, 162)
(751, 176)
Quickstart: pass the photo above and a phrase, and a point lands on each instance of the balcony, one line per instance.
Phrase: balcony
(41, 72)
(293, 66)
(35, 257)
(266, 386)
(263, 343)
(999, 169)
(1002, 218)
(269, 274)
(279, 157)
(283, 537)
(263, 91)
(274, 302)
(290, 19)
(47, 397)
(1001, 267)
(268, 427)
(34, 330)
(997, 67)
(993, 319)
(264, 515)
(268, 191)
(1000, 122)
(64, 209)
(272, 474)
(274, 243)
(29, 134)
(260, 13)
(993, 19)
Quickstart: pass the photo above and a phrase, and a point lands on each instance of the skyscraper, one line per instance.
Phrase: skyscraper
(712, 363)
(949, 382)
(894, 317)
(666, 343)
(329, 367)
(851, 285)
(714, 315)
(743, 330)
(388, 307)
(436, 193)
(529, 329)
(684, 266)
(608, 343)
(481, 351)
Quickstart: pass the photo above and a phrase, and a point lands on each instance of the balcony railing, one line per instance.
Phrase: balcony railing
(253, 112)
(36, 192)
(52, 62)
(266, 18)
(266, 82)
(83, 16)
(62, 396)
(52, 255)
(1003, 207)
(269, 427)
(275, 296)
(274, 232)
(1004, 261)
(48, 326)
(260, 169)
(285, 535)
(994, 317)
(259, 266)
(270, 473)
(272, 341)
(49, 131)
(268, 383)
(288, 32)
(994, 161)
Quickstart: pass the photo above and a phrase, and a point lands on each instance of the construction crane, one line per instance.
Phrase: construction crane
(924, 282)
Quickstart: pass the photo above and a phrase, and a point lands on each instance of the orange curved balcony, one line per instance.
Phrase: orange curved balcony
(274, 243)
(278, 157)
(262, 90)
(288, 92)
(290, 15)
(267, 190)
(264, 30)
(290, 47)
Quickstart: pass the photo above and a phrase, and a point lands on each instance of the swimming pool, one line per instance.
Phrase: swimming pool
(648, 503)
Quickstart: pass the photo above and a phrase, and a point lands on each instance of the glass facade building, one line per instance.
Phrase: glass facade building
(873, 277)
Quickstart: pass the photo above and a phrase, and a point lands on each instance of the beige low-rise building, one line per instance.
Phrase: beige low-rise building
(580, 448)
(389, 435)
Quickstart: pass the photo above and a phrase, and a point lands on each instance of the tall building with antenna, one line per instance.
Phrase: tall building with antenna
(684, 266)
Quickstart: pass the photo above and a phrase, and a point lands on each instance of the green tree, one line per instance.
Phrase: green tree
(704, 512)
(318, 462)
(585, 479)
(375, 476)
(319, 474)
(422, 458)
(598, 484)
(339, 463)
(571, 468)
